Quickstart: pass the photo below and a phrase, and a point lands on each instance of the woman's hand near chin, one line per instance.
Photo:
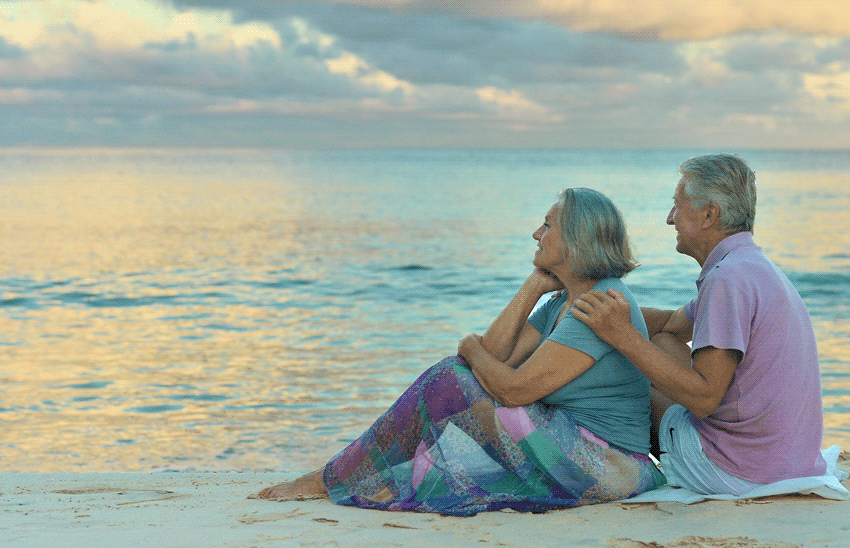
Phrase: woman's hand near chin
(544, 281)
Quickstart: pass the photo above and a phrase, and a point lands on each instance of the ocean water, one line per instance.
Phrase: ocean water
(257, 309)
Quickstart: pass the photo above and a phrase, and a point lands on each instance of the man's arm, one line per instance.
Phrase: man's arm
(699, 386)
(655, 319)
(674, 322)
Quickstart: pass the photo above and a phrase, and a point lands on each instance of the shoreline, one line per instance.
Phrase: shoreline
(185, 510)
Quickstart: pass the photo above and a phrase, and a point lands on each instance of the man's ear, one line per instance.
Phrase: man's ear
(711, 214)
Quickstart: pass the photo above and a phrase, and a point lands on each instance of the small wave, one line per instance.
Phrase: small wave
(439, 286)
(90, 385)
(817, 279)
(154, 409)
(411, 268)
(837, 408)
(18, 301)
(96, 300)
(283, 284)
(199, 397)
(224, 327)
(830, 289)
(124, 302)
(76, 296)
(269, 405)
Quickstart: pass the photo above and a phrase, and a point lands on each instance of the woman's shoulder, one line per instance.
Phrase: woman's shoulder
(544, 310)
(616, 284)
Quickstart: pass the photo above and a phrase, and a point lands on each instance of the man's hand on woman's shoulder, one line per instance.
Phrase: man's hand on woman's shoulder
(608, 314)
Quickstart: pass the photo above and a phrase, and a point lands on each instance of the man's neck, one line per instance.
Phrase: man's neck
(711, 241)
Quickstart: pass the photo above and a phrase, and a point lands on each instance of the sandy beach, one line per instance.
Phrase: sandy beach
(211, 510)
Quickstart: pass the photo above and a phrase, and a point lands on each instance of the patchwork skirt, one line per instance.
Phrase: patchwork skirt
(446, 446)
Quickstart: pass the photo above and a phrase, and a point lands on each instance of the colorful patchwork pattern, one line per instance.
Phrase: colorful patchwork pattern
(446, 446)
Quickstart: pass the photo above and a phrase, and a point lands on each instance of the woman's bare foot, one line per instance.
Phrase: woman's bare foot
(308, 486)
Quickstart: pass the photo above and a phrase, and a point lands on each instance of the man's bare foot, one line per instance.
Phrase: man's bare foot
(307, 487)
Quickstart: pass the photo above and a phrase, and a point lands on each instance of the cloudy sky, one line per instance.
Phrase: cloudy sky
(514, 73)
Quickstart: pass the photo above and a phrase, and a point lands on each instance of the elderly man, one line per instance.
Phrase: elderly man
(742, 406)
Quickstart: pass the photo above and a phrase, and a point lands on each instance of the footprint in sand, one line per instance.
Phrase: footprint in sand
(127, 495)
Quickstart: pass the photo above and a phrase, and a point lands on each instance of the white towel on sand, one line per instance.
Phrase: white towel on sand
(828, 486)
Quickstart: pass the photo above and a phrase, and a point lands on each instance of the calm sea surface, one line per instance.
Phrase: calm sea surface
(256, 310)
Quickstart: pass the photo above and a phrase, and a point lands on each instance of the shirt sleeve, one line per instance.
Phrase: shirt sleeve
(688, 309)
(722, 315)
(540, 317)
(576, 334)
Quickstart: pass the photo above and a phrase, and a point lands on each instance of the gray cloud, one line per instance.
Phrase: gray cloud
(433, 48)
(649, 19)
(344, 74)
(10, 51)
(837, 53)
(754, 54)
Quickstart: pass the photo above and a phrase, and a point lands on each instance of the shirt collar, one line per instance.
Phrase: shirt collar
(726, 246)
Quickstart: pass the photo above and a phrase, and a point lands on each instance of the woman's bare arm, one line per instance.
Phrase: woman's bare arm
(511, 325)
(548, 368)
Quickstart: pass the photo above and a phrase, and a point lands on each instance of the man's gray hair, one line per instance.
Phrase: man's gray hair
(726, 181)
(594, 235)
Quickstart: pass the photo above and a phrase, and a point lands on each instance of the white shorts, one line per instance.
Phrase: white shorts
(685, 464)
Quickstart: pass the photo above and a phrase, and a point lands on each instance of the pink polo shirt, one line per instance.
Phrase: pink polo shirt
(769, 425)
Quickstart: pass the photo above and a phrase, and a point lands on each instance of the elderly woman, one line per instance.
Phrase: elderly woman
(538, 413)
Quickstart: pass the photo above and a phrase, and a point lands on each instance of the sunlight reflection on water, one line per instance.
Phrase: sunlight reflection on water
(257, 310)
